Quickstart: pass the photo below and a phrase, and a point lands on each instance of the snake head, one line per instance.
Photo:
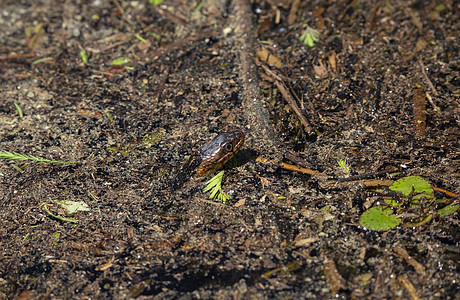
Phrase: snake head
(217, 152)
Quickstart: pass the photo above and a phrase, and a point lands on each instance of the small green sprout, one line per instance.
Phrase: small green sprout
(18, 108)
(122, 60)
(215, 186)
(309, 36)
(25, 237)
(57, 237)
(41, 60)
(343, 164)
(138, 36)
(94, 197)
(21, 157)
(84, 56)
(199, 7)
(109, 116)
(156, 36)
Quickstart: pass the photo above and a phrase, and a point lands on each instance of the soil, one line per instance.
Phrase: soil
(379, 88)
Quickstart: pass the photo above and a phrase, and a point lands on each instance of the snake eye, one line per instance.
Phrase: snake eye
(228, 147)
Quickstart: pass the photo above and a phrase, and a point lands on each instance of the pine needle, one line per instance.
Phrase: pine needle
(215, 186)
(20, 157)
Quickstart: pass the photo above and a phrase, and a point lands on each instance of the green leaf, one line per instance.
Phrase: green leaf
(73, 206)
(392, 203)
(151, 139)
(156, 2)
(420, 222)
(84, 56)
(421, 187)
(379, 218)
(120, 61)
(449, 209)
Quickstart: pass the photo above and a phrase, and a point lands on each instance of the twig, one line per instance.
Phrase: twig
(450, 194)
(289, 166)
(297, 160)
(435, 107)
(427, 78)
(290, 100)
(298, 169)
(280, 79)
(402, 253)
(174, 17)
(404, 282)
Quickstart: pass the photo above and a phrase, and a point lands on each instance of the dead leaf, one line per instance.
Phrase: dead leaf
(144, 45)
(269, 58)
(35, 36)
(306, 242)
(320, 70)
(333, 62)
(106, 265)
(240, 202)
(421, 44)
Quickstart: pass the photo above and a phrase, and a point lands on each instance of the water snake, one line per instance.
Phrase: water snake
(210, 157)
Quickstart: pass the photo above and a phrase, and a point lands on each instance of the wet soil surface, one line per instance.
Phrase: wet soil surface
(379, 88)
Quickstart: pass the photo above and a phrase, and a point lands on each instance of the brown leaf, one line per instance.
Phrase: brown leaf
(269, 58)
(332, 276)
(320, 70)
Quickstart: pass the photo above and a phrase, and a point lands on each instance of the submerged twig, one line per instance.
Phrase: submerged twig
(290, 100)
(430, 84)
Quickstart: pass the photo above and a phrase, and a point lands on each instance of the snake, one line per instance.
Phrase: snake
(211, 156)
(218, 151)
